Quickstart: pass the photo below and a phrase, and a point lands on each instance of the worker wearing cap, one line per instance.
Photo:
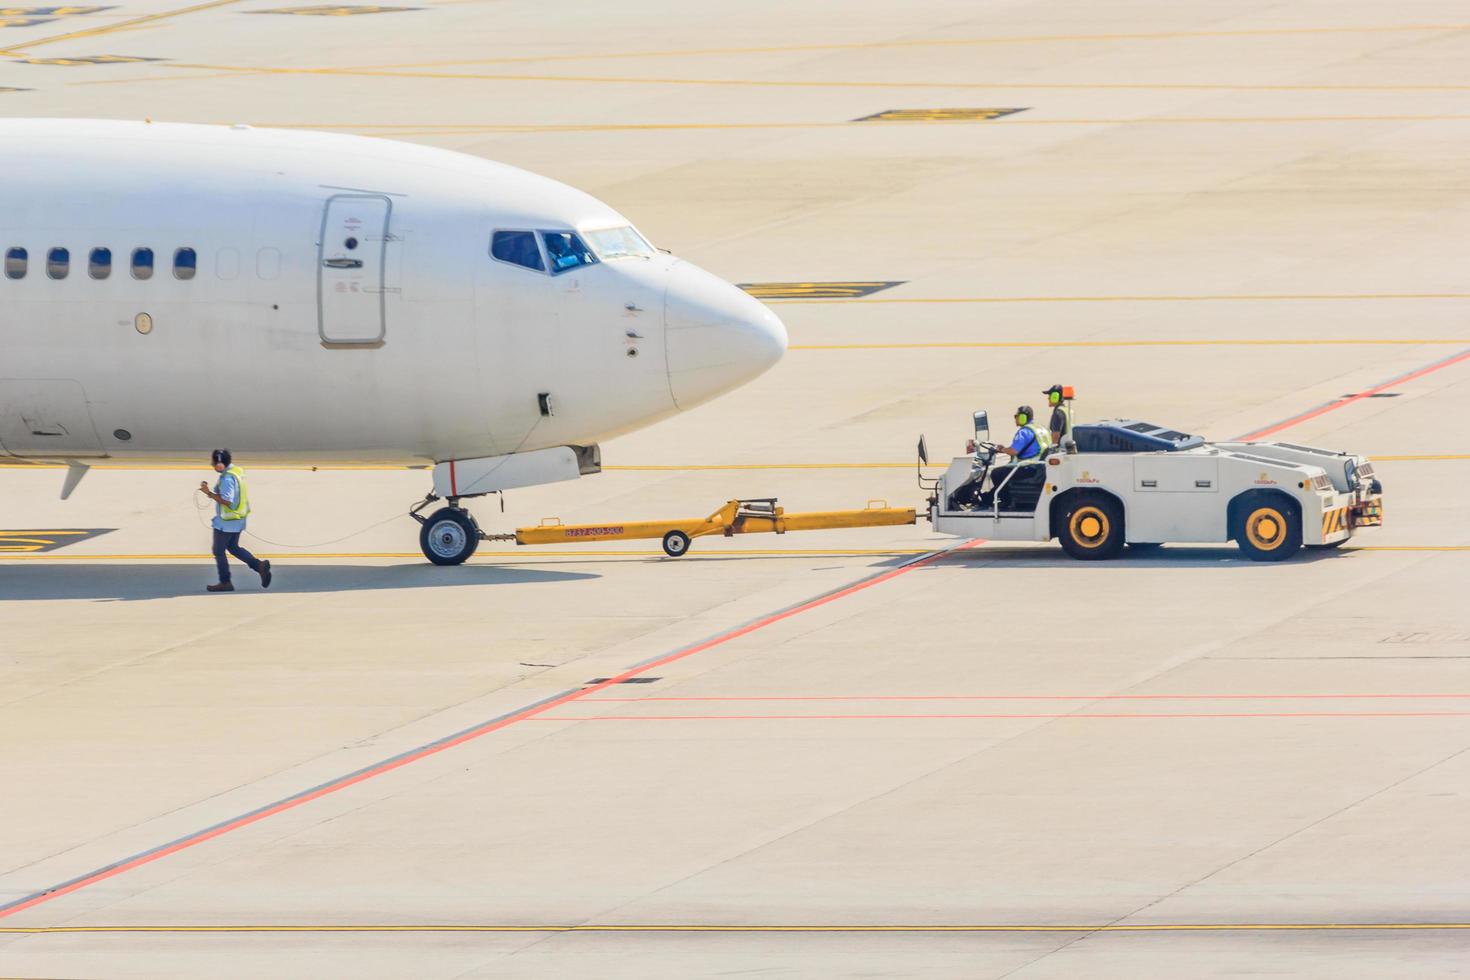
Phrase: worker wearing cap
(1061, 415)
(1031, 441)
(231, 507)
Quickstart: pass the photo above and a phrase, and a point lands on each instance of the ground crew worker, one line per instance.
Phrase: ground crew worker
(231, 507)
(1061, 415)
(1020, 490)
(1031, 440)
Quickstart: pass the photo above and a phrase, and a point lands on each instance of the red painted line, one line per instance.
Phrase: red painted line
(453, 481)
(1035, 697)
(1358, 396)
(434, 748)
(1078, 715)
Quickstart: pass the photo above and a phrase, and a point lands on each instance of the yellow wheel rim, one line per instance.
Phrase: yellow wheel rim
(1265, 528)
(1089, 526)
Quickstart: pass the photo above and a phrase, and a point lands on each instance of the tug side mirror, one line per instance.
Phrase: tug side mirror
(982, 427)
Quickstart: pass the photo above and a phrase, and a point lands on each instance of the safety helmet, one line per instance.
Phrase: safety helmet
(220, 456)
(1053, 395)
(1027, 411)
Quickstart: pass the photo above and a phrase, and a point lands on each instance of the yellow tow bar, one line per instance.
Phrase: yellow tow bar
(761, 516)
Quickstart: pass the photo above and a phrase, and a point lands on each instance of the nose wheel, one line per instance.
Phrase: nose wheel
(449, 536)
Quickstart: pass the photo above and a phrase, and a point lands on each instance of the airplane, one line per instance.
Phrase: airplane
(312, 297)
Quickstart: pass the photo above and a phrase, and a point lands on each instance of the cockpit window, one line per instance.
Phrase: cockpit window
(517, 248)
(617, 243)
(566, 251)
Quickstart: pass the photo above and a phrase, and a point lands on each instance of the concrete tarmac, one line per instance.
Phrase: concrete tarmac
(876, 753)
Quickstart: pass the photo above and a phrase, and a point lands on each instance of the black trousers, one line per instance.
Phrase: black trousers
(229, 541)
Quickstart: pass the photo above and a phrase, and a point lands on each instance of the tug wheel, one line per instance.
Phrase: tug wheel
(1091, 527)
(1266, 528)
(449, 536)
(676, 544)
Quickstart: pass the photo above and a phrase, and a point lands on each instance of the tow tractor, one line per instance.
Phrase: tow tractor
(1124, 482)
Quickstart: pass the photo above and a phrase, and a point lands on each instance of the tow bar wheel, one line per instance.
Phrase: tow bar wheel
(1267, 530)
(1092, 528)
(449, 536)
(676, 544)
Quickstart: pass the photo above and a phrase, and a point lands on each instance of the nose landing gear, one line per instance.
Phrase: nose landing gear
(450, 535)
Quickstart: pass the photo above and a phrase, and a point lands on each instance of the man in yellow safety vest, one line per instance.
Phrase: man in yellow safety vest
(231, 507)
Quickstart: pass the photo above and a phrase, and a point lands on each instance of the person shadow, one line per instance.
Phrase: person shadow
(136, 581)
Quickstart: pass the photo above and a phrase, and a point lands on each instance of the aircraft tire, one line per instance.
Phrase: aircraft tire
(449, 536)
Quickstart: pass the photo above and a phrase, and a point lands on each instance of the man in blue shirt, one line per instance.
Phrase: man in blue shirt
(1031, 440)
(1019, 491)
(231, 507)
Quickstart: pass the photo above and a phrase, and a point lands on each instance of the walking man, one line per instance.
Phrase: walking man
(231, 507)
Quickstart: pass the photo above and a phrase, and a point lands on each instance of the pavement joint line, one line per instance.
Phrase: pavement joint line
(1032, 697)
(1015, 716)
(418, 129)
(750, 928)
(409, 756)
(1337, 403)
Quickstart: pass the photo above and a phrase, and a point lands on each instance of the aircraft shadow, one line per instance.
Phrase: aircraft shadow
(131, 582)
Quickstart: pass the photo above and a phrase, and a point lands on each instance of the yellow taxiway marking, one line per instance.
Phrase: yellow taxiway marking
(13, 50)
(627, 468)
(933, 42)
(1154, 298)
(1094, 344)
(753, 928)
(1418, 457)
(412, 72)
(538, 552)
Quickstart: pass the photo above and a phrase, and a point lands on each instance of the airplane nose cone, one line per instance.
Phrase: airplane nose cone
(717, 336)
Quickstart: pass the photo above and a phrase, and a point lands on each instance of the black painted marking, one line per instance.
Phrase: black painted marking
(95, 59)
(938, 115)
(334, 11)
(29, 16)
(1376, 394)
(629, 680)
(816, 290)
(35, 542)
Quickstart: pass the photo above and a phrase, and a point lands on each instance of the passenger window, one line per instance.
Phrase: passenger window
(100, 264)
(185, 263)
(566, 251)
(142, 263)
(58, 263)
(517, 248)
(268, 263)
(15, 263)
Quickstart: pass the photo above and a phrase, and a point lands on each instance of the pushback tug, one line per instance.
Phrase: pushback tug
(1124, 482)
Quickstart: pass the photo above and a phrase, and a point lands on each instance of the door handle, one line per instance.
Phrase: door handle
(342, 263)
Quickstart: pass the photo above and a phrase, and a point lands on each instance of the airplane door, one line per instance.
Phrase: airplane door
(46, 418)
(351, 263)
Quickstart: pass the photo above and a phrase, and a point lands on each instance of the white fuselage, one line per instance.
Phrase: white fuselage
(344, 303)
